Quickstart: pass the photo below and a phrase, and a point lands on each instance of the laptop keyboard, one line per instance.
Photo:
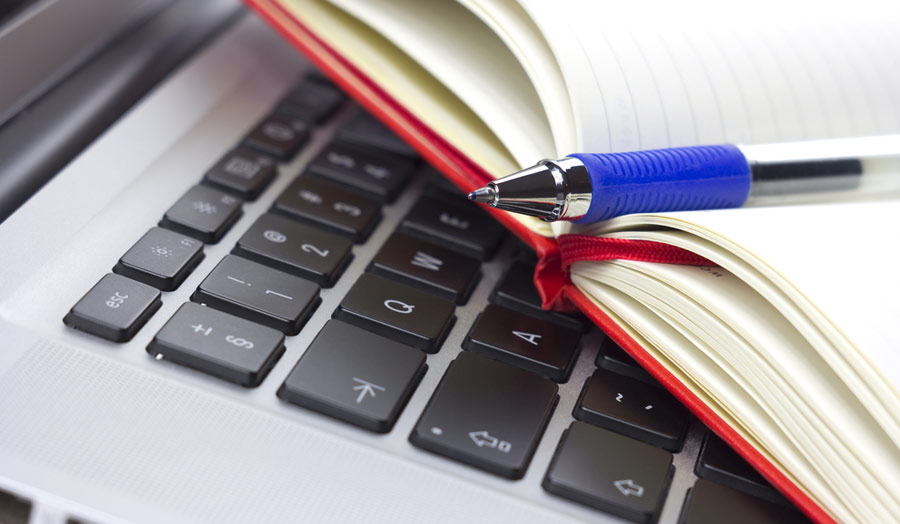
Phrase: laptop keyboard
(492, 405)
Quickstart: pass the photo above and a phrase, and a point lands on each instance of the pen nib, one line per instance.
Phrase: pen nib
(485, 195)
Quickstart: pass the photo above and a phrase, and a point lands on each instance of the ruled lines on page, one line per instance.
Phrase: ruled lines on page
(666, 75)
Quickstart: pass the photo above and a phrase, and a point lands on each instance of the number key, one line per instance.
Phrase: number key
(459, 226)
(294, 248)
(279, 136)
(311, 101)
(329, 206)
(219, 344)
(374, 172)
(259, 293)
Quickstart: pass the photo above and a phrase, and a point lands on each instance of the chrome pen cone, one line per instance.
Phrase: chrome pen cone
(485, 195)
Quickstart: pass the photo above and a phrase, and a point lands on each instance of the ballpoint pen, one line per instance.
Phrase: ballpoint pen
(587, 187)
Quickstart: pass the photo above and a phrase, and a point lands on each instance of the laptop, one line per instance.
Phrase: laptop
(228, 294)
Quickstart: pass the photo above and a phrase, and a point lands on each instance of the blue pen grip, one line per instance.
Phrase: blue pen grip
(701, 177)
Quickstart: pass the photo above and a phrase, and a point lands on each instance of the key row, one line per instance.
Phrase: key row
(617, 457)
(120, 303)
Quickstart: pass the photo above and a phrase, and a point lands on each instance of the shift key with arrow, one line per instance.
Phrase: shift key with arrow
(355, 376)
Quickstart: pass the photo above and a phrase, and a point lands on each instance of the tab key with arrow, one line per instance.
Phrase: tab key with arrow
(355, 376)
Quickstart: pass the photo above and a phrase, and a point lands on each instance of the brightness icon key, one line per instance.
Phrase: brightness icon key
(161, 258)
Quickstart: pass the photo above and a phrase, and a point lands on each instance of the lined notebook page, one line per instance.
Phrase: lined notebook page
(678, 73)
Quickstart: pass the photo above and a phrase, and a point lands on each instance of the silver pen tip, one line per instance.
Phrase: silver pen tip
(485, 195)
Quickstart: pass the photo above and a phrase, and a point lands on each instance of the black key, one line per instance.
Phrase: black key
(161, 258)
(242, 171)
(14, 509)
(311, 101)
(486, 414)
(405, 314)
(355, 376)
(537, 345)
(279, 136)
(710, 503)
(719, 463)
(525, 253)
(516, 291)
(115, 308)
(440, 186)
(365, 130)
(610, 472)
(632, 408)
(295, 248)
(222, 345)
(460, 226)
(373, 172)
(330, 207)
(259, 293)
(614, 358)
(321, 78)
(427, 266)
(204, 213)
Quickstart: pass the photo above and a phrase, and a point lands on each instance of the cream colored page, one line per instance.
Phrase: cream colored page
(708, 381)
(842, 258)
(470, 60)
(520, 34)
(646, 75)
(831, 411)
(406, 81)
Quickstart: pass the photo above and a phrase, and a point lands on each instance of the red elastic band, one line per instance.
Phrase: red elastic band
(552, 272)
(577, 248)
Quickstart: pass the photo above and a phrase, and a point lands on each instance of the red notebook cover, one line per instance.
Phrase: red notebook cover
(551, 275)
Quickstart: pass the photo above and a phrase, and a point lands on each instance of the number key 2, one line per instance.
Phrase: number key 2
(219, 344)
(294, 248)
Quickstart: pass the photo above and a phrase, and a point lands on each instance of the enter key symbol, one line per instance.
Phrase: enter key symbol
(483, 439)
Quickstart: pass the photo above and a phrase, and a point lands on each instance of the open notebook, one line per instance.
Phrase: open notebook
(787, 347)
